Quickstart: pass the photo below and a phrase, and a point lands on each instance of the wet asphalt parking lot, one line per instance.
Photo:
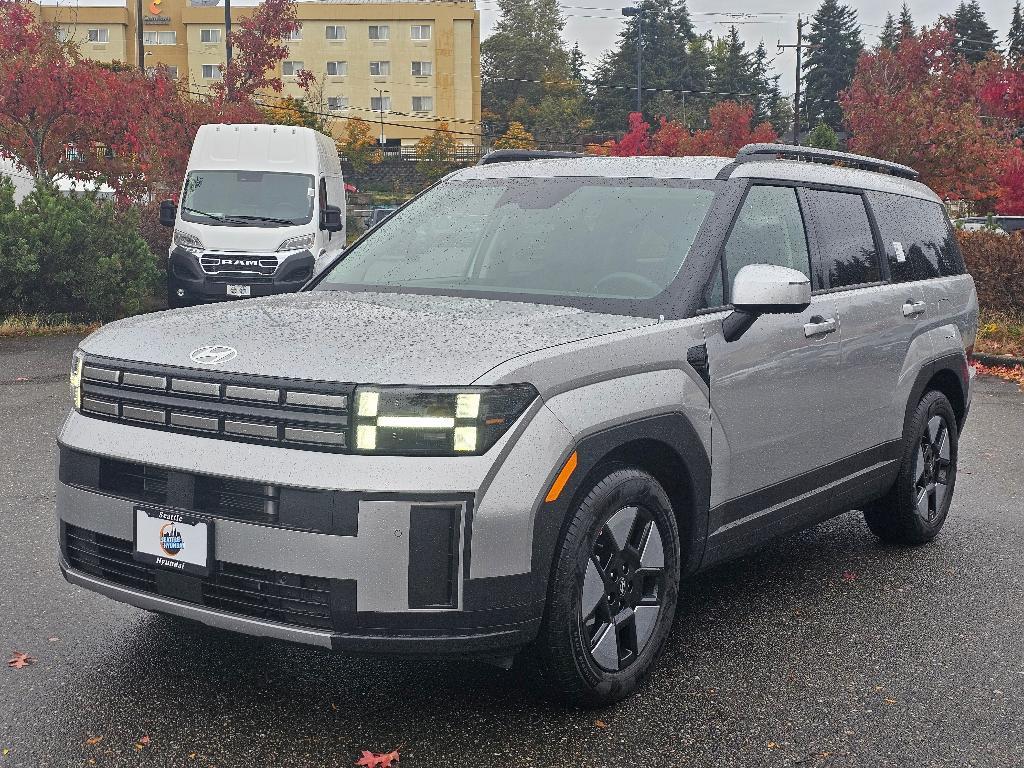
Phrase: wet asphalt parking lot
(825, 649)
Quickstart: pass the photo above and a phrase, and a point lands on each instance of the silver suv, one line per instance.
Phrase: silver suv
(514, 418)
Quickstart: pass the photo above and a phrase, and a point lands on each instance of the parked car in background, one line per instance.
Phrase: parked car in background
(1005, 224)
(377, 215)
(520, 413)
(260, 207)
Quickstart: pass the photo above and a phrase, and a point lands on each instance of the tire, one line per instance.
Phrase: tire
(613, 591)
(915, 508)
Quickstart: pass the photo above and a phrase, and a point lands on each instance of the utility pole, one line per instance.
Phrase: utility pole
(227, 43)
(380, 102)
(140, 49)
(638, 12)
(800, 46)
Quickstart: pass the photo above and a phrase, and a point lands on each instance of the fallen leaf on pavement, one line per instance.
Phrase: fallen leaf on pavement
(373, 760)
(53, 639)
(849, 576)
(20, 660)
(21, 378)
(92, 741)
(600, 723)
(772, 745)
(142, 743)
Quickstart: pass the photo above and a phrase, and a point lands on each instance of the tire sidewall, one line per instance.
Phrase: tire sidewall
(932, 404)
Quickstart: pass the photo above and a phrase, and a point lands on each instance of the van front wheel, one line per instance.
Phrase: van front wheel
(613, 592)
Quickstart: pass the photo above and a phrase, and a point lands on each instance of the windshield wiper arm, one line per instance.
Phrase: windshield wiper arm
(215, 216)
(272, 219)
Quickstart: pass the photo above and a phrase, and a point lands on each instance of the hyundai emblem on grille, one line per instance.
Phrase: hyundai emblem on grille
(213, 355)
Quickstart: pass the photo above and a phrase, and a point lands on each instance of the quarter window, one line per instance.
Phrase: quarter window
(845, 242)
(209, 35)
(768, 230)
(380, 32)
(917, 237)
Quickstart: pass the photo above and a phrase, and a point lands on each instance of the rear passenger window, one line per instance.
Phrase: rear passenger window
(846, 245)
(769, 230)
(918, 237)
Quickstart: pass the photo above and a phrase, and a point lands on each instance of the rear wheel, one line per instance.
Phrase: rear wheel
(614, 590)
(915, 509)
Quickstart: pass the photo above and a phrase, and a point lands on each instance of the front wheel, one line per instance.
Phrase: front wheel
(915, 509)
(614, 590)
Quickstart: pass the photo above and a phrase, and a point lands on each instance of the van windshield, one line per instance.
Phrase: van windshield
(248, 198)
(574, 237)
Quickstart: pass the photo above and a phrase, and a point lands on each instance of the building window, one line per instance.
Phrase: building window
(211, 72)
(380, 32)
(160, 38)
(172, 72)
(422, 68)
(380, 103)
(420, 31)
(63, 34)
(380, 68)
(335, 32)
(337, 103)
(209, 35)
(422, 103)
(296, 34)
(291, 68)
(101, 35)
(337, 68)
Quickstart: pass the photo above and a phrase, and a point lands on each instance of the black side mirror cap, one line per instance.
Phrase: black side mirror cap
(168, 213)
(331, 219)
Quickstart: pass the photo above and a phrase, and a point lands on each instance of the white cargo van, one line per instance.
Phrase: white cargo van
(260, 206)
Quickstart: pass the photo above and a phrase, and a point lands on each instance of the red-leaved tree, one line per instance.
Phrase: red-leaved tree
(259, 48)
(919, 105)
(1011, 183)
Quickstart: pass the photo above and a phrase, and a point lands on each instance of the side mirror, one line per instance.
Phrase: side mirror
(168, 213)
(765, 289)
(331, 219)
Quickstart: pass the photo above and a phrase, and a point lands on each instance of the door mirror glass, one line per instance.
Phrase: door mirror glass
(331, 219)
(168, 213)
(770, 289)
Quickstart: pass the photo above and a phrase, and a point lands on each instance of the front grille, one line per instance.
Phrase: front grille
(240, 265)
(237, 499)
(133, 481)
(309, 414)
(258, 593)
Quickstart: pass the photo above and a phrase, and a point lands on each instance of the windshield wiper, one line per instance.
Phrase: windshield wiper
(214, 216)
(271, 219)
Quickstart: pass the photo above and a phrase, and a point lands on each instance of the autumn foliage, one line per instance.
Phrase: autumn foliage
(996, 262)
(729, 130)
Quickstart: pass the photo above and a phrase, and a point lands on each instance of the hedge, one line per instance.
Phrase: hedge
(996, 262)
(71, 255)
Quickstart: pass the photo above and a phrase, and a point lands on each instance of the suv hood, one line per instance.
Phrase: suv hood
(377, 338)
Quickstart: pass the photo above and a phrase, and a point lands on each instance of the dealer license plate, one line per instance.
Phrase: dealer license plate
(239, 290)
(173, 540)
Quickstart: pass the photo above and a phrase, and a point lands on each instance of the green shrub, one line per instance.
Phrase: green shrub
(72, 255)
(996, 261)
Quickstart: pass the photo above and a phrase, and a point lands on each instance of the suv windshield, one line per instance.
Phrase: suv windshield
(573, 237)
(248, 198)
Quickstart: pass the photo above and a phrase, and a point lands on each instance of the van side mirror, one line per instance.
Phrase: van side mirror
(168, 213)
(331, 219)
(765, 289)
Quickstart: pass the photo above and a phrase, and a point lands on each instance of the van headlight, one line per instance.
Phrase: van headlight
(297, 243)
(189, 242)
(76, 380)
(435, 421)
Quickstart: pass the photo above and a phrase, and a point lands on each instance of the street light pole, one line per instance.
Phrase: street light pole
(227, 43)
(639, 14)
(139, 47)
(380, 101)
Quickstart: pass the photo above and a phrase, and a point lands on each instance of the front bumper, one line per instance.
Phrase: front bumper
(184, 273)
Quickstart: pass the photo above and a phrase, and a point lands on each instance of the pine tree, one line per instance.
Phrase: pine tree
(733, 69)
(830, 64)
(577, 64)
(975, 39)
(770, 104)
(907, 28)
(890, 36)
(1015, 38)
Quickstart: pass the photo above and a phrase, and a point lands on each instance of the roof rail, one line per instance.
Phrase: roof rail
(753, 152)
(518, 155)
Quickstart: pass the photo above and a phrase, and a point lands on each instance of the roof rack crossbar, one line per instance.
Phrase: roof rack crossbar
(753, 152)
(519, 155)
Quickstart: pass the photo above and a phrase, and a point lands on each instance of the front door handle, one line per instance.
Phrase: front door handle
(819, 326)
(912, 308)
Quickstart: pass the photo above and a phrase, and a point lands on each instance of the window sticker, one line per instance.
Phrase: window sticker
(901, 255)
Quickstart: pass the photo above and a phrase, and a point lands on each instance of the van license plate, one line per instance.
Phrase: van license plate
(174, 541)
(239, 290)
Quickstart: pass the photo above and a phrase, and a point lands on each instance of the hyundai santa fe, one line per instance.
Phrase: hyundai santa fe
(512, 420)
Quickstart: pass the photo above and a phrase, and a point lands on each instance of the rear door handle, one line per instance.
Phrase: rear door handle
(819, 326)
(912, 308)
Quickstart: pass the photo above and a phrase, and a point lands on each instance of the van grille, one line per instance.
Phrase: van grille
(237, 499)
(254, 592)
(228, 264)
(133, 481)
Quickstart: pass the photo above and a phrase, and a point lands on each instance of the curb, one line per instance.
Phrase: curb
(1006, 360)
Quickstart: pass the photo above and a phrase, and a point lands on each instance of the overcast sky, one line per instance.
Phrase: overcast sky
(596, 30)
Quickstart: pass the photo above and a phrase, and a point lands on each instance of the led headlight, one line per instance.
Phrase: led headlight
(76, 380)
(189, 242)
(297, 243)
(436, 421)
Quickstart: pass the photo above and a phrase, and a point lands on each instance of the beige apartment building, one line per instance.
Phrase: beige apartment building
(415, 64)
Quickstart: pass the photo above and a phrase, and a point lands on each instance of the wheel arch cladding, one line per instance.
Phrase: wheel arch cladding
(666, 446)
(945, 375)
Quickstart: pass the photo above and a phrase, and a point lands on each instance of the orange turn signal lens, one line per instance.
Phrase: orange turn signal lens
(563, 477)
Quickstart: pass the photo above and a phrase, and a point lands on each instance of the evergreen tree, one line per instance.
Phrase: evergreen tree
(733, 69)
(1015, 39)
(975, 39)
(577, 64)
(907, 28)
(830, 64)
(890, 36)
